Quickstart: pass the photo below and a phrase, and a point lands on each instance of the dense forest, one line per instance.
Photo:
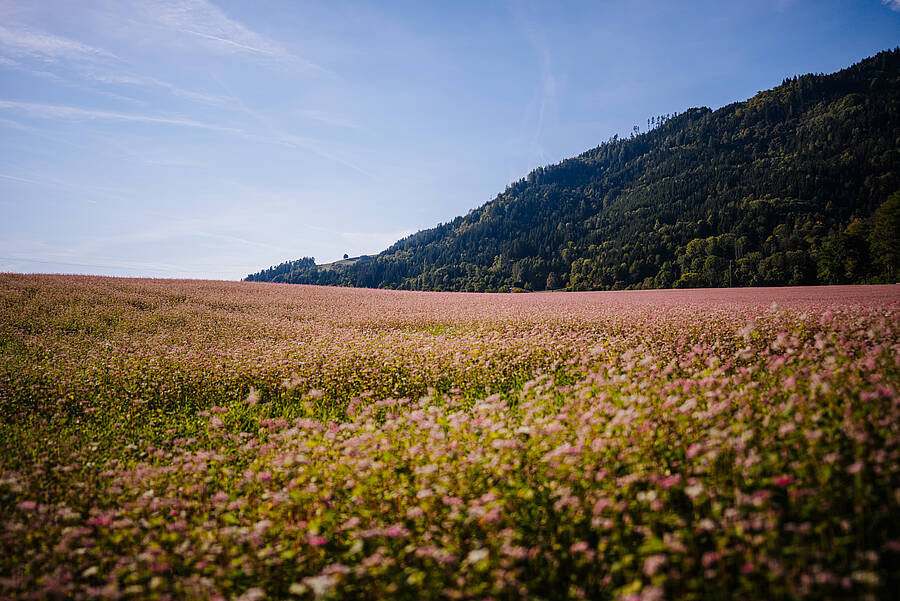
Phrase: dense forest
(797, 185)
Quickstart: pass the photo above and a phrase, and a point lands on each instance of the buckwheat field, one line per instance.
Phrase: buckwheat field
(212, 440)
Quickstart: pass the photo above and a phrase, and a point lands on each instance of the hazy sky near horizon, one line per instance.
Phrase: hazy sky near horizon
(213, 138)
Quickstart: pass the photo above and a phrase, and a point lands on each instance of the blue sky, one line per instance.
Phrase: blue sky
(213, 138)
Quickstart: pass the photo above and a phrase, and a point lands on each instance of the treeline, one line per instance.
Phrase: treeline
(797, 185)
(283, 271)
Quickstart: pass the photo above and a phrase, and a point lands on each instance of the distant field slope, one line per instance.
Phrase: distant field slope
(797, 185)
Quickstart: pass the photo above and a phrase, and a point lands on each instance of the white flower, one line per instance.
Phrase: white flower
(252, 398)
(252, 594)
(477, 555)
(320, 585)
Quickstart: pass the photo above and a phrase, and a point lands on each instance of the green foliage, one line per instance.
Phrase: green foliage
(283, 271)
(885, 237)
(762, 192)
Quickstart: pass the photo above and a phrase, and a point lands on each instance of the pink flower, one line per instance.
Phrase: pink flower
(600, 505)
(783, 480)
(102, 520)
(160, 567)
(27, 506)
(316, 540)
(579, 547)
(652, 593)
(670, 481)
(395, 530)
(653, 563)
(351, 523)
(855, 467)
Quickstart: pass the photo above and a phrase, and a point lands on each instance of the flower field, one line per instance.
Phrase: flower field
(218, 440)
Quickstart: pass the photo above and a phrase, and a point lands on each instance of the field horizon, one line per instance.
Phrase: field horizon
(76, 276)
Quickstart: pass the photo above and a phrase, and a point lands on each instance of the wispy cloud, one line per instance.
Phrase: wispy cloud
(315, 146)
(163, 230)
(527, 23)
(22, 180)
(71, 113)
(893, 4)
(87, 194)
(90, 64)
(40, 45)
(25, 68)
(272, 133)
(328, 118)
(207, 22)
(12, 124)
(124, 79)
(199, 20)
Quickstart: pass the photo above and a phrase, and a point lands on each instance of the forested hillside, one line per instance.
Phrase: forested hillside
(797, 185)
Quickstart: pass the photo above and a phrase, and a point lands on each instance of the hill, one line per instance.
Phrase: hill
(797, 185)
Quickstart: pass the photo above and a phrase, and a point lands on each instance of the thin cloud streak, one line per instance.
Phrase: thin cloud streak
(12, 124)
(313, 145)
(276, 135)
(229, 42)
(48, 111)
(92, 192)
(204, 20)
(47, 47)
(153, 82)
(23, 180)
(53, 111)
(546, 93)
(329, 119)
(90, 63)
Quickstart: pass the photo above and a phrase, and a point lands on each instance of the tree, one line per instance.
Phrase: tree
(830, 260)
(885, 237)
(552, 281)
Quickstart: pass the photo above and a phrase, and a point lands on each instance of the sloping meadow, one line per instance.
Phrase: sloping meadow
(212, 440)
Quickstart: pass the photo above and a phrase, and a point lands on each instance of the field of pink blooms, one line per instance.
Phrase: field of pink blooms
(222, 440)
